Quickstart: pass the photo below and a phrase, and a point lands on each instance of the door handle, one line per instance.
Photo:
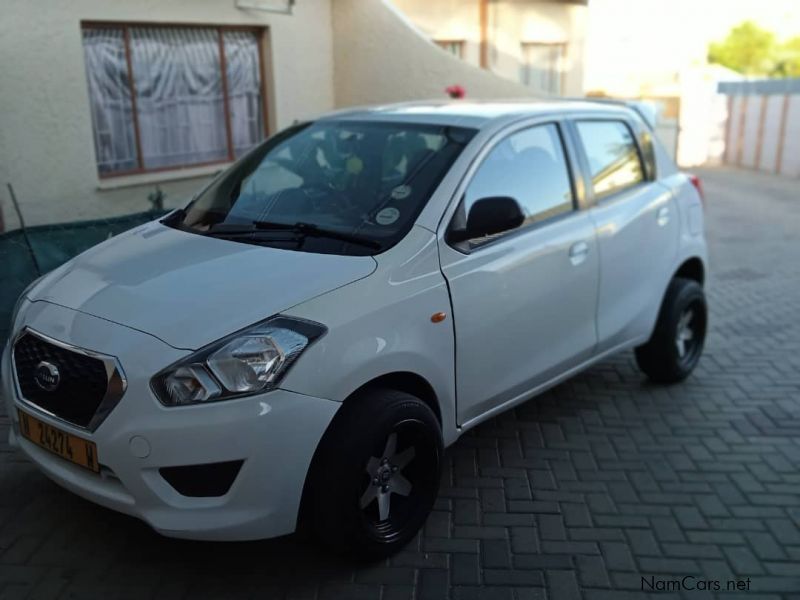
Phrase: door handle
(662, 216)
(578, 252)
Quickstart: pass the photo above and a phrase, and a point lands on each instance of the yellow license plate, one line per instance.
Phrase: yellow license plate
(67, 446)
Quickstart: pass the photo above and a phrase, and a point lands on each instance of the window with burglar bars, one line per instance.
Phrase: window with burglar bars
(170, 97)
(454, 47)
(543, 66)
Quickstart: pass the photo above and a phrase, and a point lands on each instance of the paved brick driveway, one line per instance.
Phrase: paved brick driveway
(578, 494)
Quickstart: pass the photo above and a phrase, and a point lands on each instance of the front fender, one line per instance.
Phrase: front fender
(380, 325)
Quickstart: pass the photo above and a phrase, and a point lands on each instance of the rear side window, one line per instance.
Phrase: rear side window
(530, 167)
(613, 157)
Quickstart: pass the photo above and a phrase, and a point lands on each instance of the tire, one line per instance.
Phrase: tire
(375, 475)
(666, 357)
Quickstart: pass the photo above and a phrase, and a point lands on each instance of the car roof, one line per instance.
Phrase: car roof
(471, 113)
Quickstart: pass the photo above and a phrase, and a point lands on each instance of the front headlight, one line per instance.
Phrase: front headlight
(248, 362)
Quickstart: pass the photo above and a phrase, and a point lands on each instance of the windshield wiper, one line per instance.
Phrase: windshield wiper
(304, 229)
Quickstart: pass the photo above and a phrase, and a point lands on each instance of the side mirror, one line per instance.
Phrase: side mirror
(490, 215)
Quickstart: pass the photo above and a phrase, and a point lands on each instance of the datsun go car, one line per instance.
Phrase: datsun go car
(302, 341)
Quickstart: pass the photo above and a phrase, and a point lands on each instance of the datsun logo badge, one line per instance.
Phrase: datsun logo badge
(47, 376)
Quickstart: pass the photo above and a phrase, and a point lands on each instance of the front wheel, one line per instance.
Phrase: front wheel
(375, 475)
(674, 349)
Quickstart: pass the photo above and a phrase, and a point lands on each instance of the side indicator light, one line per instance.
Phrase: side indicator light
(438, 317)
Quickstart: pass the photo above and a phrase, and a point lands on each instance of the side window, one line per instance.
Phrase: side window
(613, 158)
(528, 166)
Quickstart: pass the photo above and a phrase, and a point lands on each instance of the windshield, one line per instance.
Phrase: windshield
(334, 187)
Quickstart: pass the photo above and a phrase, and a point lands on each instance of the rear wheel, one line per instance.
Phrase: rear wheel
(376, 473)
(674, 349)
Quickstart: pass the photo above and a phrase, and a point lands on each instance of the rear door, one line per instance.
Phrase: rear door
(637, 227)
(523, 300)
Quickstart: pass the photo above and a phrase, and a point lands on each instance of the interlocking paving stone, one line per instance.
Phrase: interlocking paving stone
(578, 493)
(466, 569)
(496, 554)
(592, 571)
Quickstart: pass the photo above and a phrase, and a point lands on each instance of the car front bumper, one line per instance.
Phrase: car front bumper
(274, 434)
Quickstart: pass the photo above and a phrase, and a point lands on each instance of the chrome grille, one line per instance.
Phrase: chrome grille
(70, 383)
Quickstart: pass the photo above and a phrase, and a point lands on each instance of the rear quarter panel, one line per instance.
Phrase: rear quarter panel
(692, 242)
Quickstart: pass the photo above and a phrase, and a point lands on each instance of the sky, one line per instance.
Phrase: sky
(628, 38)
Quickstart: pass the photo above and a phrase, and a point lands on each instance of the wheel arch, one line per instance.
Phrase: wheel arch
(692, 268)
(405, 381)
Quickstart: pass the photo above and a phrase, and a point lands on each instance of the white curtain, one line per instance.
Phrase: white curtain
(244, 89)
(110, 100)
(179, 98)
(180, 104)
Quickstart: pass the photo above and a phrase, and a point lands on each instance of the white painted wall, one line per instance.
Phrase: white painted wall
(703, 118)
(772, 124)
(46, 144)
(778, 135)
(790, 165)
(752, 119)
(737, 104)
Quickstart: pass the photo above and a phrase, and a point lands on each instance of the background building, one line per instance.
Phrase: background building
(657, 51)
(104, 102)
(539, 43)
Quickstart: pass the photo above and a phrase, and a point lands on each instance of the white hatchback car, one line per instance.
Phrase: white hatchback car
(308, 334)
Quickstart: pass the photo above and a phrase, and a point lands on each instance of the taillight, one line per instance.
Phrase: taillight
(698, 185)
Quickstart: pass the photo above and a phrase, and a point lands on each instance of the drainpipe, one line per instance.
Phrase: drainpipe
(484, 22)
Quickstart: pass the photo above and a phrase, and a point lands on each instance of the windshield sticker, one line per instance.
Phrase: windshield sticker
(401, 192)
(354, 165)
(387, 216)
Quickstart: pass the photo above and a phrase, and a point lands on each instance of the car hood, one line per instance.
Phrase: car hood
(190, 290)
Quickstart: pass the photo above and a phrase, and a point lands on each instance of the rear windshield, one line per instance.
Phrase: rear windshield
(362, 180)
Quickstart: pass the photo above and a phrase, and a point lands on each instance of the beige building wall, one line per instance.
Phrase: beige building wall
(447, 20)
(517, 22)
(379, 56)
(328, 54)
(46, 144)
(511, 24)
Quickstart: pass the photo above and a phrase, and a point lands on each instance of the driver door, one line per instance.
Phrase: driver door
(523, 300)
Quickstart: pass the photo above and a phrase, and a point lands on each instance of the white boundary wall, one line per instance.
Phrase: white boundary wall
(763, 127)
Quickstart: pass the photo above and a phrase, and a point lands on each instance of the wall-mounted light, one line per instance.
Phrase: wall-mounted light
(281, 7)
